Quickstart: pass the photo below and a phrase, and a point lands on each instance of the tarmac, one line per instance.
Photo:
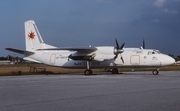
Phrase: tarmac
(130, 91)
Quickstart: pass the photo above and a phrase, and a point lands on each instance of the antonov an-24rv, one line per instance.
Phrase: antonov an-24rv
(89, 57)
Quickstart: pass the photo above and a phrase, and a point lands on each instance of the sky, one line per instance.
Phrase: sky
(65, 23)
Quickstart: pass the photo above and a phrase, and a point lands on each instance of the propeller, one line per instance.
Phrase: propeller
(118, 50)
(143, 44)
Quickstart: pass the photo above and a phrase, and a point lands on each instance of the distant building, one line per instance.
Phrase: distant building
(5, 62)
(178, 63)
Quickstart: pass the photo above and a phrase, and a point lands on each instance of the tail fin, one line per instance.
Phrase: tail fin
(33, 38)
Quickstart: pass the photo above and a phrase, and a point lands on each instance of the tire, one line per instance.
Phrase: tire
(88, 72)
(115, 71)
(155, 72)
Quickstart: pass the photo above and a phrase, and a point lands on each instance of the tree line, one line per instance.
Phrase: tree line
(177, 58)
(13, 59)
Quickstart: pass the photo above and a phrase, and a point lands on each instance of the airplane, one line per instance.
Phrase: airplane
(90, 57)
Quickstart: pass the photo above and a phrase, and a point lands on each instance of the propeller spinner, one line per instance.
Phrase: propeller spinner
(118, 50)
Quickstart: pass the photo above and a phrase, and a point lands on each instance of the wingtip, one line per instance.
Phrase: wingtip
(8, 48)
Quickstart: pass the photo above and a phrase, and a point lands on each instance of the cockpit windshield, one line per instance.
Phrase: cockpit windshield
(153, 52)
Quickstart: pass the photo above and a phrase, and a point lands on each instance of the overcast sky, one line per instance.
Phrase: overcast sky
(65, 23)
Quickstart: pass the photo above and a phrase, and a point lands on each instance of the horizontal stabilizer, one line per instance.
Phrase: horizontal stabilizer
(19, 51)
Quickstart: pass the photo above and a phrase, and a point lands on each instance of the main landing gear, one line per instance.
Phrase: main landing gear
(115, 71)
(88, 71)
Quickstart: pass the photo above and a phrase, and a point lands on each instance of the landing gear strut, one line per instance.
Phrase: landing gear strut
(88, 71)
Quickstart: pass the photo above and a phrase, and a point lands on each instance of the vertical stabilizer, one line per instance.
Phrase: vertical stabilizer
(33, 38)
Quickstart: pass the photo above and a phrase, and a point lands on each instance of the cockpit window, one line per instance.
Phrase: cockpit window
(157, 51)
(153, 52)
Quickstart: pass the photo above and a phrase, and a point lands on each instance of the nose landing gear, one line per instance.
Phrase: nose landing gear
(155, 72)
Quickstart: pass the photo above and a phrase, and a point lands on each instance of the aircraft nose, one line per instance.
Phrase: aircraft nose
(167, 60)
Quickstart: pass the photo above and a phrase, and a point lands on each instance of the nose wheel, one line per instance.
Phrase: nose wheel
(155, 72)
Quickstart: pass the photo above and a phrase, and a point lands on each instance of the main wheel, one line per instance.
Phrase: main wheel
(155, 72)
(115, 71)
(88, 72)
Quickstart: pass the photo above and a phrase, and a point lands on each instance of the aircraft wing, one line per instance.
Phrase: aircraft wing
(19, 51)
(78, 49)
(82, 53)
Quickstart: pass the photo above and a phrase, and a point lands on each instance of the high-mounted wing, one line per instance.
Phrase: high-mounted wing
(79, 49)
(19, 51)
(81, 53)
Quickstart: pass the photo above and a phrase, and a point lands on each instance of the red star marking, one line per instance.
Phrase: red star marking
(31, 35)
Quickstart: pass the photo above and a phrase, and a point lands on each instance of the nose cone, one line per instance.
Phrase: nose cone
(167, 60)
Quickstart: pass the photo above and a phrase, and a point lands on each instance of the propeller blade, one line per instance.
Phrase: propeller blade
(117, 45)
(143, 44)
(115, 57)
(122, 59)
(122, 46)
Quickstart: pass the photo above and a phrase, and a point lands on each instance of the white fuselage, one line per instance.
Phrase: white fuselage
(103, 58)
